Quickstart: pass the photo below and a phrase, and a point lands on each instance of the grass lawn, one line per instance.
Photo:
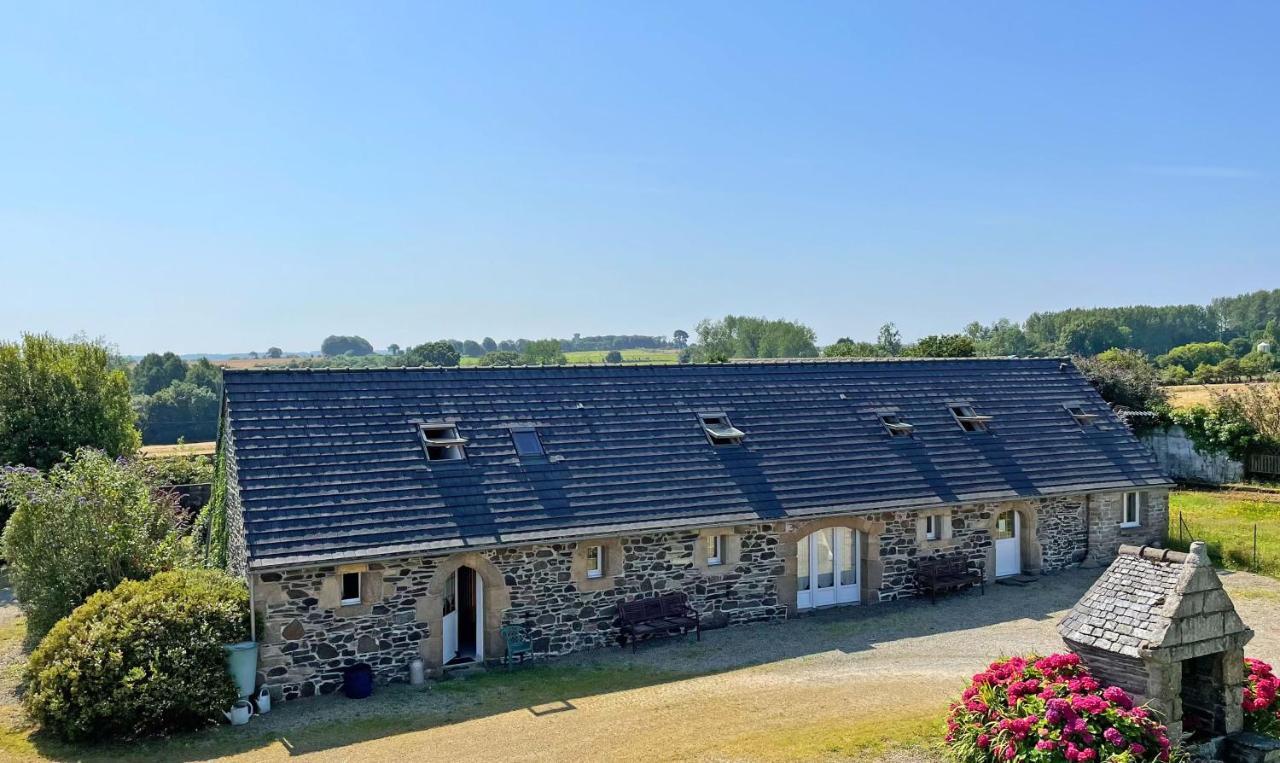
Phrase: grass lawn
(1226, 521)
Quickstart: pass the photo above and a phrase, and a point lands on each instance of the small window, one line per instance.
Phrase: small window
(968, 418)
(350, 588)
(1082, 418)
(719, 430)
(896, 426)
(442, 442)
(715, 549)
(595, 562)
(932, 527)
(527, 442)
(1132, 510)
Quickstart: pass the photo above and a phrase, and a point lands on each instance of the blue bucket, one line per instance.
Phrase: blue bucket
(357, 681)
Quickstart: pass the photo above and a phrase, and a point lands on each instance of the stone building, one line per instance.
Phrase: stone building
(384, 515)
(1159, 625)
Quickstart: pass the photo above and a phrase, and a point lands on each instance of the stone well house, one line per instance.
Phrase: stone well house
(384, 515)
(1159, 625)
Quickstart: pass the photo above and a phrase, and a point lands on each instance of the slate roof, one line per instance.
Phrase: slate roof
(330, 466)
(1151, 600)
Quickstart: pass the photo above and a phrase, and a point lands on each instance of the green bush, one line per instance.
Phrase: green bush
(83, 527)
(144, 658)
(179, 470)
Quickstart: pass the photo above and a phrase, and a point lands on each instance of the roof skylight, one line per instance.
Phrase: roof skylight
(442, 442)
(719, 430)
(896, 427)
(969, 419)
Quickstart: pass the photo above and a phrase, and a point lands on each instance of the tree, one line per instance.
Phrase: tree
(1092, 334)
(58, 396)
(680, 338)
(847, 348)
(751, 337)
(1191, 356)
(1001, 338)
(1257, 363)
(438, 353)
(342, 345)
(275, 352)
(202, 373)
(543, 352)
(393, 349)
(1124, 378)
(180, 411)
(83, 527)
(508, 345)
(472, 348)
(613, 356)
(488, 344)
(942, 346)
(501, 358)
(889, 339)
(1240, 346)
(155, 372)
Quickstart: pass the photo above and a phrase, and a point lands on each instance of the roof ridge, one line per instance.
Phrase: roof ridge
(619, 366)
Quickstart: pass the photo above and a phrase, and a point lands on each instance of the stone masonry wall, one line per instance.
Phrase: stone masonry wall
(1105, 514)
(308, 639)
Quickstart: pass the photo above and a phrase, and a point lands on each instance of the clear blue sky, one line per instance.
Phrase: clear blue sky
(230, 176)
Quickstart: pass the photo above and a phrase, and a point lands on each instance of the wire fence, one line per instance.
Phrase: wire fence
(1234, 543)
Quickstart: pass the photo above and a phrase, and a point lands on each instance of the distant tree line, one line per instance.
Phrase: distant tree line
(174, 399)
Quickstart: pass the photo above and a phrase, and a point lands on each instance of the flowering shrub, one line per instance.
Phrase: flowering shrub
(1261, 708)
(1049, 709)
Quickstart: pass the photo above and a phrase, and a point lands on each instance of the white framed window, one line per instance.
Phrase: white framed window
(715, 549)
(595, 562)
(1132, 516)
(969, 419)
(719, 430)
(442, 442)
(896, 427)
(350, 588)
(932, 527)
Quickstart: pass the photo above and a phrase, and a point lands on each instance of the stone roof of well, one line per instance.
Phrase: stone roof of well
(330, 467)
(1152, 601)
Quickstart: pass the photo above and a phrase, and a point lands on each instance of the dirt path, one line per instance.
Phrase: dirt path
(863, 684)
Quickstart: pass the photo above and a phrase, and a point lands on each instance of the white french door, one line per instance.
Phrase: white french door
(827, 568)
(449, 623)
(479, 618)
(1008, 542)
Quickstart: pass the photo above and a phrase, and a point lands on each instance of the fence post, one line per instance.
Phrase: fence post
(1179, 527)
(1255, 546)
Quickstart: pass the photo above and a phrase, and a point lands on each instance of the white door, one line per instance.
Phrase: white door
(479, 617)
(449, 623)
(827, 564)
(1008, 540)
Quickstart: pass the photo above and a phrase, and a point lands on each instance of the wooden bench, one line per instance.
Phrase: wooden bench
(663, 615)
(947, 573)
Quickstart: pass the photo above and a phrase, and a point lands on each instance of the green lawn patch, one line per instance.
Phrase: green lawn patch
(1226, 522)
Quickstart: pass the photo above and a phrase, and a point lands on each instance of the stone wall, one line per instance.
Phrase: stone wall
(310, 637)
(1105, 514)
(1179, 458)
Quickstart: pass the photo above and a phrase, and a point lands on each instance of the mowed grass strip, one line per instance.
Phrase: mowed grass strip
(1226, 521)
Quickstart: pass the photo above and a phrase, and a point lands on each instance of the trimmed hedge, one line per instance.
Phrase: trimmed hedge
(142, 659)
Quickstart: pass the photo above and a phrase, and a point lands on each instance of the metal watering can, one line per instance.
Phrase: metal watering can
(239, 713)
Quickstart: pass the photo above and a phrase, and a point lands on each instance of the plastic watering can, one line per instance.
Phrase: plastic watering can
(239, 713)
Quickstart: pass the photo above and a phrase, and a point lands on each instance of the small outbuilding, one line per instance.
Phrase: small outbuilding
(1159, 625)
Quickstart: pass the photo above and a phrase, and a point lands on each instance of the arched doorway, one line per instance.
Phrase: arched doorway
(1006, 535)
(462, 617)
(828, 563)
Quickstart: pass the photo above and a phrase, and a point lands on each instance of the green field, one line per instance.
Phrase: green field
(597, 356)
(1226, 521)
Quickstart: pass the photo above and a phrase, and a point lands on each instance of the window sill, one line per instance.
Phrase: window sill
(1131, 526)
(350, 602)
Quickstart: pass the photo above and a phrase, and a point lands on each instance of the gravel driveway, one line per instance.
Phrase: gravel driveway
(864, 683)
